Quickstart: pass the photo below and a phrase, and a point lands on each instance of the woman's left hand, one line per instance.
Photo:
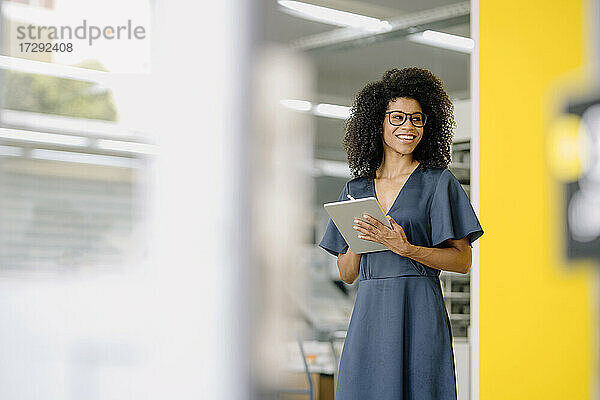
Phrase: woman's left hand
(393, 238)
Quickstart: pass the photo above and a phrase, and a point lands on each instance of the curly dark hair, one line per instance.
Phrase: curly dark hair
(364, 129)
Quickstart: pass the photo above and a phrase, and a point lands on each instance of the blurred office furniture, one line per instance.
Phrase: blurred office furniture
(310, 365)
(308, 391)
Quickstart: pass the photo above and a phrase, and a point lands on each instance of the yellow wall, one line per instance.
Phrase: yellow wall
(537, 316)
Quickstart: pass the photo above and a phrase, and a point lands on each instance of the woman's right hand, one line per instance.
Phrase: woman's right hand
(349, 266)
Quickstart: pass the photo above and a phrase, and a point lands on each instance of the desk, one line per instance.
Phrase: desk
(322, 386)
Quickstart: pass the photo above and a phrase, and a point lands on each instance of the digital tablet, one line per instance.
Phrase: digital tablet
(343, 214)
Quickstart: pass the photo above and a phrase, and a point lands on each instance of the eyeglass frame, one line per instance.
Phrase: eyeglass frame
(409, 117)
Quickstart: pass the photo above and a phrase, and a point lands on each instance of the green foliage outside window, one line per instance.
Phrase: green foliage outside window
(60, 96)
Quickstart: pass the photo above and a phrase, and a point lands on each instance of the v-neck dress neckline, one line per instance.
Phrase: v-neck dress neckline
(372, 181)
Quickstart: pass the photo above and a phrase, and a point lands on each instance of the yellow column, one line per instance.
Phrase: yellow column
(538, 317)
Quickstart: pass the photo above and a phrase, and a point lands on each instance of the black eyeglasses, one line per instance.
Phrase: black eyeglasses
(398, 118)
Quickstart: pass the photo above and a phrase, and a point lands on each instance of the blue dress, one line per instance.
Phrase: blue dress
(399, 340)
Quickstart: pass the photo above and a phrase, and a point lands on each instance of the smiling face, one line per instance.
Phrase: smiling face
(405, 138)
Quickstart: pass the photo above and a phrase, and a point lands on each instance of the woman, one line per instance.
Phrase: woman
(399, 341)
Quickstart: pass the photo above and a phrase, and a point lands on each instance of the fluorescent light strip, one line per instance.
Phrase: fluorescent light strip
(322, 109)
(332, 111)
(443, 40)
(43, 137)
(332, 16)
(84, 158)
(131, 147)
(297, 105)
(52, 69)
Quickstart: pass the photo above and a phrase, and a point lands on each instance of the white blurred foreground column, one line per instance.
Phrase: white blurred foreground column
(282, 156)
(175, 322)
(201, 266)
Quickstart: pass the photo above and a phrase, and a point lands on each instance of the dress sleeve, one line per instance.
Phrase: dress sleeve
(451, 213)
(333, 241)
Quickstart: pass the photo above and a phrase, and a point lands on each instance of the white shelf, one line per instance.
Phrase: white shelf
(457, 295)
(456, 286)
